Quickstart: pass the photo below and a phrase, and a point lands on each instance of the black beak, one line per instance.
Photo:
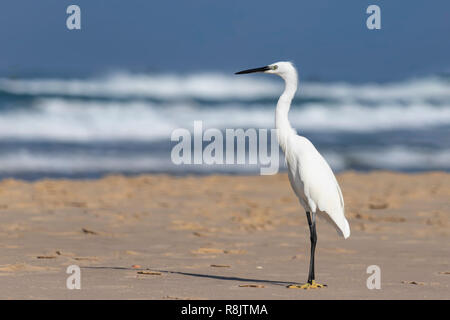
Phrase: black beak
(262, 69)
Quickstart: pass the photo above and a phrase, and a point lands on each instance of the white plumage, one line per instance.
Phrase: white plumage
(310, 175)
(314, 183)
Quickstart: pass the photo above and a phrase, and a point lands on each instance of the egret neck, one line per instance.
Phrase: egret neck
(284, 129)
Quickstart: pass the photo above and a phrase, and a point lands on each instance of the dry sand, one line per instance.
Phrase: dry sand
(221, 237)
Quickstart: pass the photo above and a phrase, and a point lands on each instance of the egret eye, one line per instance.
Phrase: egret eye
(275, 67)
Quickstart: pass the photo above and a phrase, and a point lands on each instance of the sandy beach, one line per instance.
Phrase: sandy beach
(221, 237)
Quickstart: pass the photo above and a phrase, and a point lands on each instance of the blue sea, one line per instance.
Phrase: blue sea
(121, 122)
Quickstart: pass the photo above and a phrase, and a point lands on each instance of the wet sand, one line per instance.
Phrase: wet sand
(221, 237)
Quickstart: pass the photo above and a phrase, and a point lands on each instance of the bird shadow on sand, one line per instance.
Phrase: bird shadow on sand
(200, 275)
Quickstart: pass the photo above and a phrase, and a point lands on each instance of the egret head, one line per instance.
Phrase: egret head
(282, 68)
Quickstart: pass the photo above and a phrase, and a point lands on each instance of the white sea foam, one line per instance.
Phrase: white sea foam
(413, 90)
(211, 85)
(61, 119)
(222, 86)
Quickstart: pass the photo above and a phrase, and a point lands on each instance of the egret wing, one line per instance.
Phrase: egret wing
(321, 190)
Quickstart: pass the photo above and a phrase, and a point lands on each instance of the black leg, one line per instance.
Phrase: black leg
(313, 238)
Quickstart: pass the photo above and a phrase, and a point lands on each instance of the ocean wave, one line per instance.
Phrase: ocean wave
(409, 91)
(123, 122)
(220, 86)
(390, 158)
(79, 120)
(210, 85)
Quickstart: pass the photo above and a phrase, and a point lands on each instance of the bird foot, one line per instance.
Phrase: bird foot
(307, 286)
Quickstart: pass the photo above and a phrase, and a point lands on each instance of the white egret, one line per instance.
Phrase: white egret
(310, 175)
